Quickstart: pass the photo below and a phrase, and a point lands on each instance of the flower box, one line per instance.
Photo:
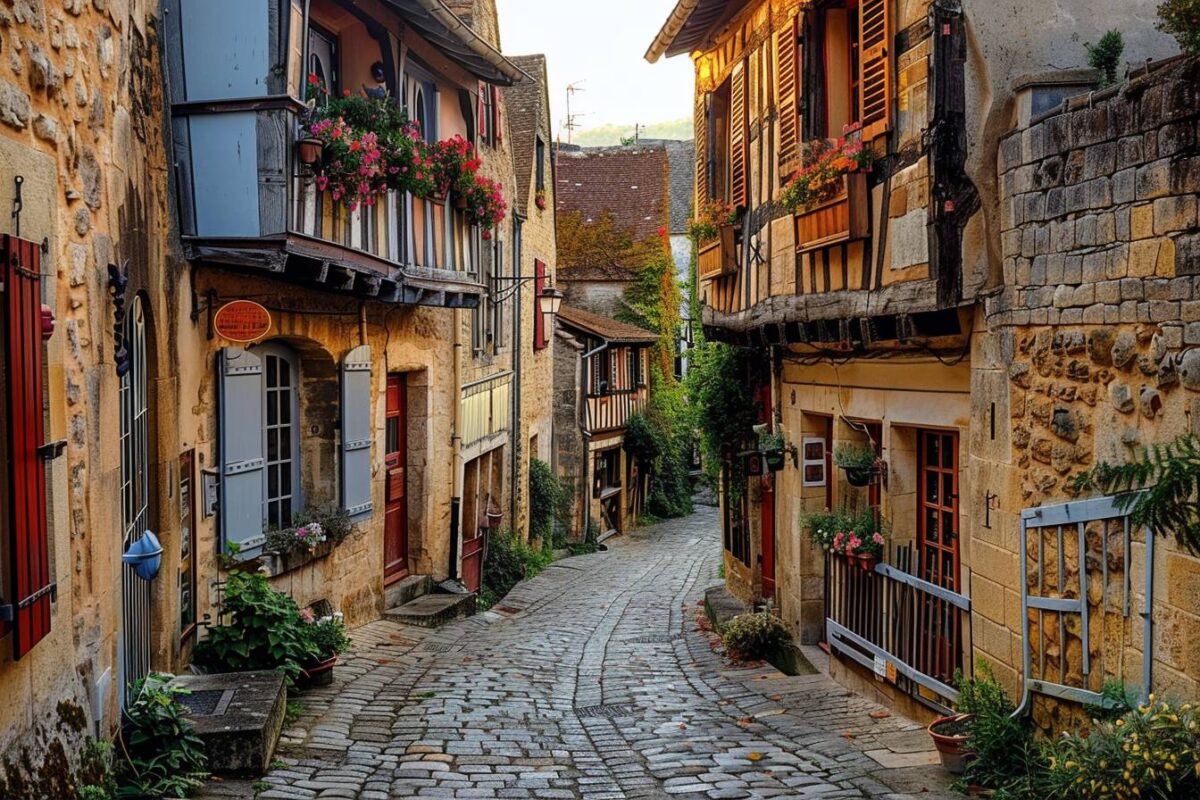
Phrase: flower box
(841, 218)
(275, 564)
(717, 257)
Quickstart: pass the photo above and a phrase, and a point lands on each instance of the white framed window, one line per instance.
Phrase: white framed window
(813, 461)
(281, 435)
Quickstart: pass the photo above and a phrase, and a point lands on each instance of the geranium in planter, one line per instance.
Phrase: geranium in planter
(710, 219)
(820, 178)
(328, 639)
(486, 206)
(311, 528)
(539, 199)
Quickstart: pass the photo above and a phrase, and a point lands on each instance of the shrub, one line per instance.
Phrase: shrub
(1105, 55)
(265, 632)
(548, 501)
(719, 389)
(752, 637)
(1007, 757)
(1151, 752)
(328, 637)
(162, 756)
(509, 561)
(1181, 19)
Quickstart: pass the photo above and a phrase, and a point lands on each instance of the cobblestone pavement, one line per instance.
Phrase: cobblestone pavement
(593, 680)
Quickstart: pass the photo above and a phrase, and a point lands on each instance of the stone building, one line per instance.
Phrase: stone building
(233, 347)
(936, 309)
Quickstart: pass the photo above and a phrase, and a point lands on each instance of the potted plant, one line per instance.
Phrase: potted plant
(858, 460)
(309, 149)
(950, 735)
(539, 199)
(982, 706)
(858, 535)
(328, 639)
(773, 446)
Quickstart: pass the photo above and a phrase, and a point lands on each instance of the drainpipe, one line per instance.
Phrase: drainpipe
(456, 451)
(587, 435)
(518, 436)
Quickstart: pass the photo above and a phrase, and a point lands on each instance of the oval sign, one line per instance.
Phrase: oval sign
(242, 321)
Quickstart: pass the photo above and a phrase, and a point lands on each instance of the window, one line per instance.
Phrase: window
(813, 466)
(847, 68)
(540, 164)
(937, 523)
(636, 379)
(281, 435)
(484, 117)
(601, 378)
(322, 62)
(134, 658)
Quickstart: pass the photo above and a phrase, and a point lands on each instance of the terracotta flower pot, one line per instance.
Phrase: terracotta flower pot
(309, 150)
(949, 736)
(460, 202)
(319, 674)
(866, 561)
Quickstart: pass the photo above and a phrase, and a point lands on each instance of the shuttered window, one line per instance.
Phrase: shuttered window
(738, 137)
(241, 442)
(281, 434)
(484, 117)
(26, 590)
(703, 191)
(497, 114)
(875, 69)
(539, 321)
(787, 61)
(356, 432)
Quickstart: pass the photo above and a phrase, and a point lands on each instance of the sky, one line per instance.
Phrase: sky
(600, 46)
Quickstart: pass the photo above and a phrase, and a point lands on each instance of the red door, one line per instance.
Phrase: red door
(395, 529)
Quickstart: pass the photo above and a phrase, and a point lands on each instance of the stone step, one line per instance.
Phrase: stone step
(433, 610)
(406, 590)
(238, 716)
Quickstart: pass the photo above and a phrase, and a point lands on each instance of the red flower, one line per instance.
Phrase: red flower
(313, 79)
(662, 233)
(345, 92)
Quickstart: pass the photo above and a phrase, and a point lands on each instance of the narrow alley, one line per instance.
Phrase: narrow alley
(594, 681)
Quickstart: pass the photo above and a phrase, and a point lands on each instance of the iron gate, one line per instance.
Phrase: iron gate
(134, 657)
(1072, 544)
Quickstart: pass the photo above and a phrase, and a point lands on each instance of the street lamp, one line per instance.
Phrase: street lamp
(549, 301)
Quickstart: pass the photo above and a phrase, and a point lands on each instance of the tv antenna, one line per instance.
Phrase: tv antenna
(571, 124)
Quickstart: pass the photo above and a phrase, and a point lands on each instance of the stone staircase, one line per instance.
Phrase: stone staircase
(417, 600)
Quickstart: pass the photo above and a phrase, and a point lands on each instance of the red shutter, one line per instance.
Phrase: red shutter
(31, 587)
(539, 322)
(738, 139)
(482, 120)
(874, 37)
(786, 57)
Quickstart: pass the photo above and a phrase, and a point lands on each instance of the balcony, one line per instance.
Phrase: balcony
(842, 218)
(718, 257)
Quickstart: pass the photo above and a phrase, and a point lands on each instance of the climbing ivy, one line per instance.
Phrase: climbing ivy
(720, 390)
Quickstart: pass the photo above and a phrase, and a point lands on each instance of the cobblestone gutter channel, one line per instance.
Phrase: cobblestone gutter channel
(591, 681)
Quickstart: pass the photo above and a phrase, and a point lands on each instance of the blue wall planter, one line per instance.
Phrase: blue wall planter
(145, 556)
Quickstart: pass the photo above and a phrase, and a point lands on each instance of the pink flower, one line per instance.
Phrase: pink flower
(877, 538)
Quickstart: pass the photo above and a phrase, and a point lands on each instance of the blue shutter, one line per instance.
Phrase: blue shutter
(241, 441)
(356, 432)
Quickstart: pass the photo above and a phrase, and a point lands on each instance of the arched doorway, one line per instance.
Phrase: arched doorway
(134, 656)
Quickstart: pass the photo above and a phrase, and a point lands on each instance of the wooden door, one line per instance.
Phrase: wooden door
(395, 529)
(937, 547)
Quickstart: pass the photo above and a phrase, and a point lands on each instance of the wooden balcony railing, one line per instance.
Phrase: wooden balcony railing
(485, 408)
(607, 412)
(370, 229)
(843, 218)
(718, 257)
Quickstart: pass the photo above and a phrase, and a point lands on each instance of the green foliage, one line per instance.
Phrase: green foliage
(1004, 747)
(661, 441)
(509, 561)
(1105, 55)
(1159, 488)
(720, 392)
(96, 776)
(548, 501)
(162, 755)
(1153, 751)
(327, 636)
(838, 530)
(599, 243)
(752, 637)
(652, 301)
(854, 456)
(292, 714)
(312, 527)
(1117, 701)
(265, 631)
(1181, 19)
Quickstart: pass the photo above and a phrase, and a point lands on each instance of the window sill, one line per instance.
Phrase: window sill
(276, 564)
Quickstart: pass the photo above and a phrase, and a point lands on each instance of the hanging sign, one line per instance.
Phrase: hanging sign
(242, 321)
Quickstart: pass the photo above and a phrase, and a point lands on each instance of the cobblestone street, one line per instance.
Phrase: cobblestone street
(590, 681)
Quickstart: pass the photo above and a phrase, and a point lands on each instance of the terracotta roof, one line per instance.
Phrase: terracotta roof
(527, 106)
(630, 183)
(602, 327)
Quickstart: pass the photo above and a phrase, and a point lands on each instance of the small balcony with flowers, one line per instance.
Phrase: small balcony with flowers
(827, 194)
(318, 145)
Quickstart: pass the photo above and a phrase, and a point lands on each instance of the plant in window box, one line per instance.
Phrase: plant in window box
(486, 206)
(710, 219)
(820, 177)
(310, 531)
(859, 461)
(455, 167)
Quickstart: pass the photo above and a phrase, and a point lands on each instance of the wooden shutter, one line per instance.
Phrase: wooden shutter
(241, 441)
(356, 432)
(787, 61)
(31, 584)
(875, 67)
(539, 322)
(498, 113)
(738, 138)
(483, 117)
(702, 157)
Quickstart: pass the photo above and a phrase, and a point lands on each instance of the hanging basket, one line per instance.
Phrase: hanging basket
(774, 459)
(859, 476)
(309, 150)
(866, 561)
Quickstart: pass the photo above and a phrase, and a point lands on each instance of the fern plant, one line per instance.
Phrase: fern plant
(1158, 489)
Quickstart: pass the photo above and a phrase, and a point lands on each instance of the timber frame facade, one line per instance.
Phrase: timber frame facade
(897, 312)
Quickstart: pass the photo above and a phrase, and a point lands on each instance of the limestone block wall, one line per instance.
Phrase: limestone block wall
(1088, 353)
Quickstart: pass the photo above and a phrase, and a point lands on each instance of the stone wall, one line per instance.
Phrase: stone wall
(1088, 354)
(570, 452)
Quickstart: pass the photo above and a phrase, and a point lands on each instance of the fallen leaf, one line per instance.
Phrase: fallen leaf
(848, 735)
(880, 714)
(776, 697)
(682, 727)
(756, 756)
